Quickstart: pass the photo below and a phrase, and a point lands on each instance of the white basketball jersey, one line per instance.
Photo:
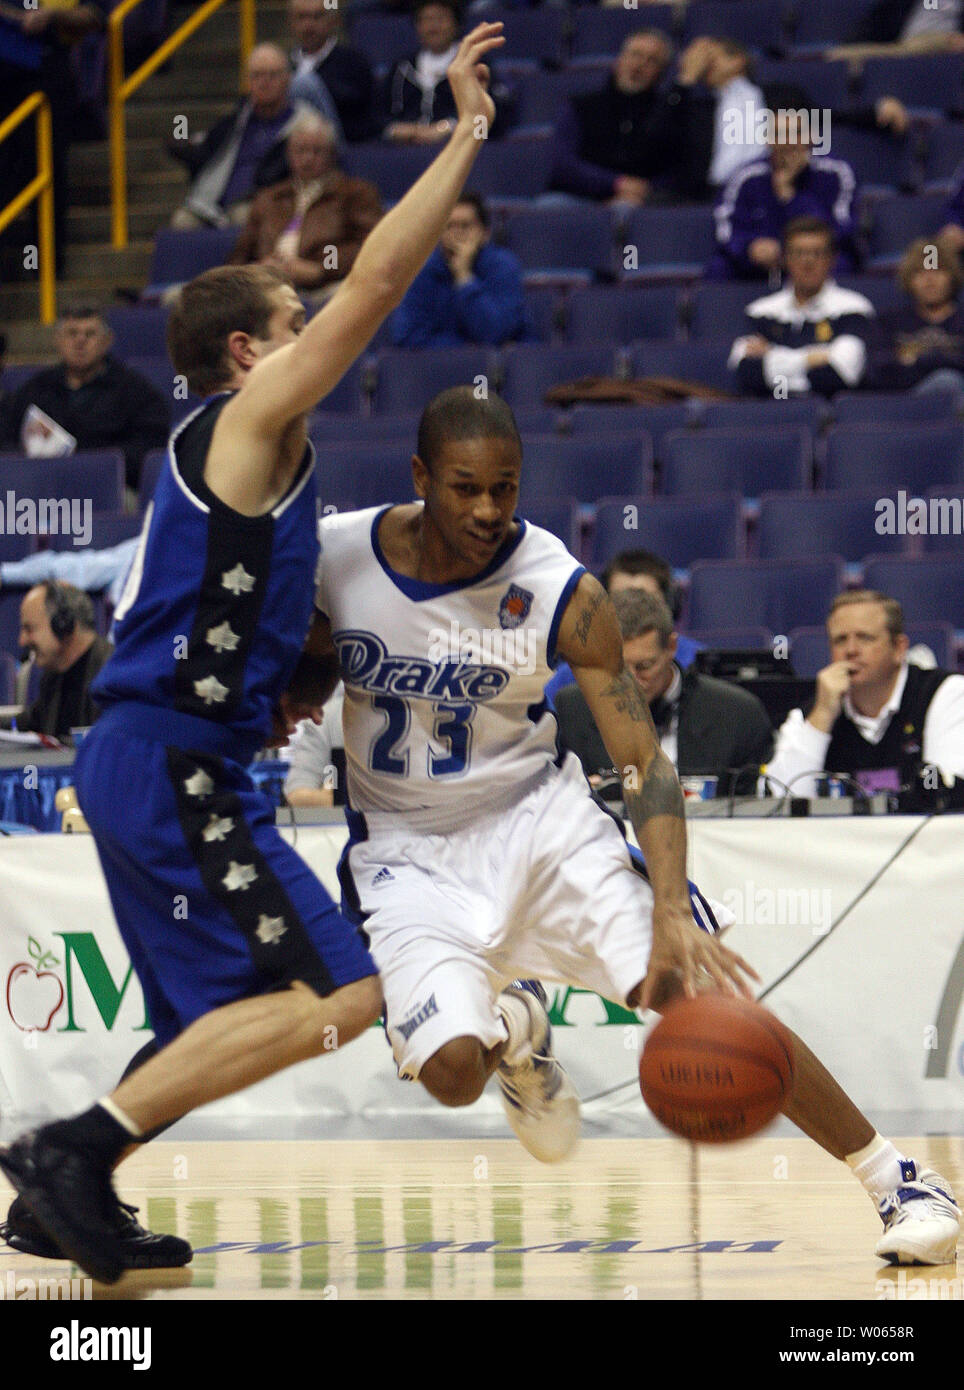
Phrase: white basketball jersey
(445, 711)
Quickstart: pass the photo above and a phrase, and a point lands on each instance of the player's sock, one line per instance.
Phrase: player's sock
(149, 1050)
(877, 1167)
(103, 1132)
(518, 1026)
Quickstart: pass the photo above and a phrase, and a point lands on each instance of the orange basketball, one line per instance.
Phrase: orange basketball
(716, 1068)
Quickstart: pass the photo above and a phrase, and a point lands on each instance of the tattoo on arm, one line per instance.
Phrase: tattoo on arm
(630, 700)
(659, 795)
(584, 621)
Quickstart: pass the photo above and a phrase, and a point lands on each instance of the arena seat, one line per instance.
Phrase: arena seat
(529, 370)
(750, 462)
(93, 476)
(573, 242)
(929, 588)
(758, 24)
(927, 80)
(775, 594)
(810, 652)
(620, 313)
(598, 31)
(914, 457)
(586, 469)
(871, 407)
(681, 530)
(407, 379)
(794, 525)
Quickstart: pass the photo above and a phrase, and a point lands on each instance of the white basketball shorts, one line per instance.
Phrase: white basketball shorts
(544, 890)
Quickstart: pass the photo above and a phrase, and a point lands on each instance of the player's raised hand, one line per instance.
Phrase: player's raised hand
(469, 77)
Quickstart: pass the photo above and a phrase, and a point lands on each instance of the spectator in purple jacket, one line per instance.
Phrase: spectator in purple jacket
(469, 291)
(920, 345)
(763, 197)
(611, 144)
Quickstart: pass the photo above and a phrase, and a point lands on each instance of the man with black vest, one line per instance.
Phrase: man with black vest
(876, 718)
(706, 727)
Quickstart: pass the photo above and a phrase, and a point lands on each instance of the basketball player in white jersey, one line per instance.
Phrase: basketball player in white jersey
(477, 855)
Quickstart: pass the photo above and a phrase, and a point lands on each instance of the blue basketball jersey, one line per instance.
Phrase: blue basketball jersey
(217, 605)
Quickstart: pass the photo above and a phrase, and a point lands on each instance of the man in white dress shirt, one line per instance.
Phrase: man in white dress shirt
(876, 718)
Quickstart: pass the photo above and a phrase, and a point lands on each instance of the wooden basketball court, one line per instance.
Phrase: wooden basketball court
(774, 1218)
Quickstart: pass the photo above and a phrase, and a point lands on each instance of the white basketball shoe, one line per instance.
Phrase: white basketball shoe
(921, 1219)
(539, 1099)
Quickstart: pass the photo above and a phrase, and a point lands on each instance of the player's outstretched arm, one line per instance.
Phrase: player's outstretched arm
(589, 639)
(294, 379)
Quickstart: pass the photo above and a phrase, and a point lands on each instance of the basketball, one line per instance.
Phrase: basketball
(716, 1068)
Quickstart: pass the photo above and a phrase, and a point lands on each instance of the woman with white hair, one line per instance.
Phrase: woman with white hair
(311, 225)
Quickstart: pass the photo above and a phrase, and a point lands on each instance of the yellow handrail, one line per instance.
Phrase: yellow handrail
(120, 88)
(42, 188)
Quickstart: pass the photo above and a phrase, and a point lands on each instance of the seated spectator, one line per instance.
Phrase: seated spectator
(920, 346)
(892, 27)
(57, 630)
(637, 569)
(876, 718)
(706, 727)
(316, 758)
(242, 153)
(95, 571)
(311, 225)
(468, 291)
(329, 73)
(720, 105)
(88, 401)
(416, 102)
(809, 336)
(612, 144)
(762, 198)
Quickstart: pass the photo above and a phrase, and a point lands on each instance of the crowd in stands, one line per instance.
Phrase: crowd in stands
(700, 212)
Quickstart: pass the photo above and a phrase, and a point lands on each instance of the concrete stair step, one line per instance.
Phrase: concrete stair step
(127, 267)
(271, 21)
(201, 79)
(89, 225)
(155, 119)
(145, 156)
(165, 186)
(20, 305)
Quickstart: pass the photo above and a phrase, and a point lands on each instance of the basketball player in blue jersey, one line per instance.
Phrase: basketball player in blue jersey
(246, 965)
(477, 855)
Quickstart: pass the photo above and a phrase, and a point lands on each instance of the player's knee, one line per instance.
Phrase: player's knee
(455, 1075)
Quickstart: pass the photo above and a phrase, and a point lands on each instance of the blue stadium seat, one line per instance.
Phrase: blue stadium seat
(702, 363)
(825, 84)
(660, 242)
(878, 456)
(11, 378)
(929, 588)
(391, 168)
(681, 530)
(325, 426)
(750, 462)
(13, 547)
(531, 369)
(820, 23)
(138, 331)
(382, 38)
(794, 525)
(513, 168)
(10, 600)
(775, 594)
(107, 530)
(877, 158)
(764, 414)
(585, 469)
(406, 380)
(758, 24)
(754, 639)
(654, 420)
(179, 256)
(944, 153)
(930, 80)
(603, 31)
(897, 221)
(810, 653)
(945, 512)
(8, 678)
(545, 312)
(620, 313)
(95, 477)
(883, 291)
(576, 240)
(541, 96)
(717, 309)
(537, 34)
(870, 407)
(562, 518)
(352, 476)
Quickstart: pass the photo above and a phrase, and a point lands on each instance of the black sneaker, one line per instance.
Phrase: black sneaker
(72, 1199)
(142, 1249)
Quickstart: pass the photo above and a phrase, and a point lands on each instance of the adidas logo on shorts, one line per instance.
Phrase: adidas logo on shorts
(383, 876)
